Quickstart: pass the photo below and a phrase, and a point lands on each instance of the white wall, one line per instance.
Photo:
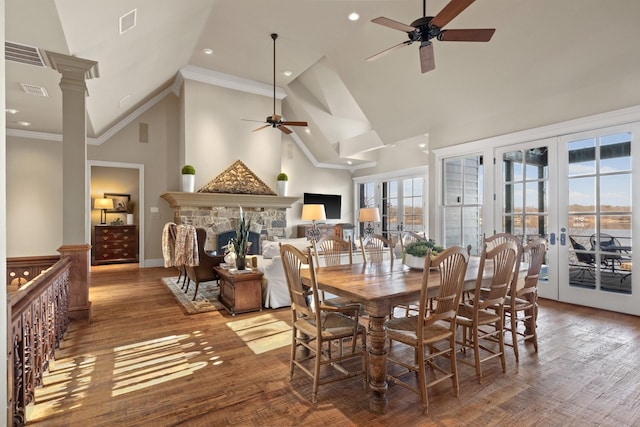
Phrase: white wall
(304, 177)
(216, 136)
(34, 196)
(160, 159)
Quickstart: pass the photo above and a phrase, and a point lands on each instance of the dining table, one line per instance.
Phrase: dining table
(378, 287)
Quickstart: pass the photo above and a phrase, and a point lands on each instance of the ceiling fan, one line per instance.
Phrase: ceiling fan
(428, 27)
(275, 121)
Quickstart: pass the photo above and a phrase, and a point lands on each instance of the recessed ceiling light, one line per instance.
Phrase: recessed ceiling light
(353, 16)
(12, 110)
(207, 51)
(422, 145)
(307, 130)
(287, 73)
(349, 162)
(21, 123)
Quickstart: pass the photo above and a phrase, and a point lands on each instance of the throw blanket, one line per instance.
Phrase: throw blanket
(187, 246)
(179, 245)
(169, 244)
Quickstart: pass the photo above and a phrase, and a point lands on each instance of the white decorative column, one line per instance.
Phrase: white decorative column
(74, 72)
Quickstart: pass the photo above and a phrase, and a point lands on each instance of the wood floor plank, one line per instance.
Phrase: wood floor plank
(141, 361)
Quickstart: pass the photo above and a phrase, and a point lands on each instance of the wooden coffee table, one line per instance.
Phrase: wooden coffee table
(240, 290)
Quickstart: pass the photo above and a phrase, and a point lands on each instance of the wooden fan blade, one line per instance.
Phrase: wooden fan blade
(475, 35)
(427, 59)
(450, 11)
(295, 123)
(249, 120)
(285, 129)
(261, 127)
(393, 24)
(386, 51)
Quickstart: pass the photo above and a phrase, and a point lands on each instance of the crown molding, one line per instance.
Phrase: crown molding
(202, 75)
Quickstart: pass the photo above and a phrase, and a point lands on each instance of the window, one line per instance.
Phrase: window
(462, 202)
(400, 200)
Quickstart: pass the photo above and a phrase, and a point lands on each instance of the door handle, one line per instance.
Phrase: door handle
(563, 236)
(552, 238)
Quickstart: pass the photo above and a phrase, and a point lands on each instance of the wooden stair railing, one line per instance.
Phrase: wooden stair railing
(39, 317)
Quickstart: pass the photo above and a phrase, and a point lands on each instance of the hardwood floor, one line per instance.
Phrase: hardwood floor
(141, 361)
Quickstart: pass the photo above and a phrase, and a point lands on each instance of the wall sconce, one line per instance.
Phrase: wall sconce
(313, 213)
(369, 215)
(104, 204)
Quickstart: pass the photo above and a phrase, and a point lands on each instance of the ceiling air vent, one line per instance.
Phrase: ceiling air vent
(128, 21)
(34, 90)
(23, 54)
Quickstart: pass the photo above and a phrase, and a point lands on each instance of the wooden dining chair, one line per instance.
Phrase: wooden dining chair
(482, 317)
(521, 305)
(499, 238)
(374, 247)
(325, 335)
(332, 249)
(495, 240)
(407, 237)
(432, 332)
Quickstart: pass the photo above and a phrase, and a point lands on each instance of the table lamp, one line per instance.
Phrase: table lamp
(369, 215)
(104, 204)
(313, 213)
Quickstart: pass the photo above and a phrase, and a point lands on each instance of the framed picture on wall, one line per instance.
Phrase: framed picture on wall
(120, 202)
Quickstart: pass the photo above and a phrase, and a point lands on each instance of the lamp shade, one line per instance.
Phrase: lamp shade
(313, 213)
(369, 215)
(103, 203)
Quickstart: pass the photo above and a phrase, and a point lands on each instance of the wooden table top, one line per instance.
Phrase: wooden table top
(380, 286)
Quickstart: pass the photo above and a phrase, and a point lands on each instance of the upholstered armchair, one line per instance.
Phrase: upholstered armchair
(203, 272)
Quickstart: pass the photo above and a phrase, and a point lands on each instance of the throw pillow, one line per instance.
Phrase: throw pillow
(270, 250)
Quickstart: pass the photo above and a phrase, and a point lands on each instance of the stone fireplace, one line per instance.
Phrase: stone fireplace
(219, 213)
(216, 206)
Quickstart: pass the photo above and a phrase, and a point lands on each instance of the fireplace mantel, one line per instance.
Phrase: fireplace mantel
(179, 199)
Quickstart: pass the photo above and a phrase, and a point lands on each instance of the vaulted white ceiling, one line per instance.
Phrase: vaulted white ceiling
(549, 60)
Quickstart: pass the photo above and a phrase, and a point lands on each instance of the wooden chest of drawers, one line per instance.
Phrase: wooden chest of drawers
(115, 243)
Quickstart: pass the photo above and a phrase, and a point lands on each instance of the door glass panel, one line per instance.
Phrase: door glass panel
(525, 198)
(600, 213)
(582, 195)
(582, 157)
(390, 206)
(615, 192)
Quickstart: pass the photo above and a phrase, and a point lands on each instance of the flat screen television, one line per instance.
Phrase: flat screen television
(332, 203)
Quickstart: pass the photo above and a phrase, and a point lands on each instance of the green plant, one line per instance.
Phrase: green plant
(420, 248)
(283, 177)
(241, 242)
(188, 170)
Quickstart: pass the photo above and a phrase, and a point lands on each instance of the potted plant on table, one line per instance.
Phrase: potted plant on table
(415, 252)
(283, 179)
(241, 242)
(188, 179)
(131, 207)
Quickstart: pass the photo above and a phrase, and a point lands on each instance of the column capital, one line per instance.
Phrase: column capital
(73, 67)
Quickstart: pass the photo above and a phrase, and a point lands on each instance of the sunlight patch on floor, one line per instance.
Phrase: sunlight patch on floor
(262, 333)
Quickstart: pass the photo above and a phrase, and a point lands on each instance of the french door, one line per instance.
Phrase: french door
(525, 201)
(576, 192)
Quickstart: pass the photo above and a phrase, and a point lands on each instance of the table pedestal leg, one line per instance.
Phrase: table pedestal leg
(377, 365)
